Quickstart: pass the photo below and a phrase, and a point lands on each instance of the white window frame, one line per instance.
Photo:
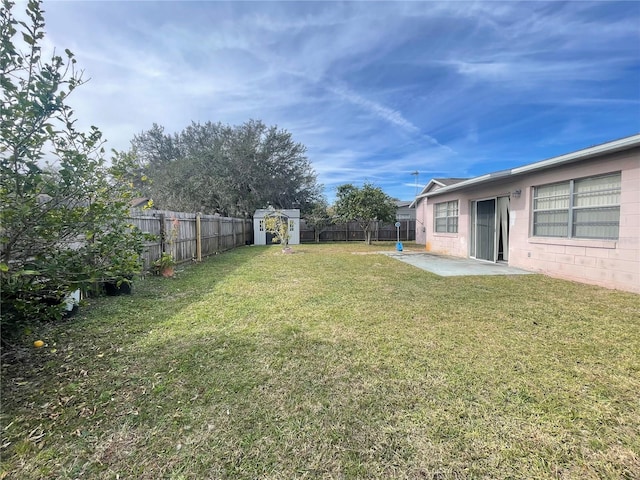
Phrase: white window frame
(452, 211)
(573, 209)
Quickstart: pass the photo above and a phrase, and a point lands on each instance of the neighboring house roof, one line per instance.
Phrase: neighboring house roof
(69, 202)
(577, 156)
(404, 210)
(436, 184)
(445, 182)
(139, 202)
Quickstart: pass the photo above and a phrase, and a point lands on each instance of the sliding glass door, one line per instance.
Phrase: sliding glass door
(489, 233)
(486, 229)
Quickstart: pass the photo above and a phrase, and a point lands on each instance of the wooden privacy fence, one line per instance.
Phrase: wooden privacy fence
(345, 232)
(190, 236)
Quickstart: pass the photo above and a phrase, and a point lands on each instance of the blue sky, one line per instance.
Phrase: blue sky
(375, 90)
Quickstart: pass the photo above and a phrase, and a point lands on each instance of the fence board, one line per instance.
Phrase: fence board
(348, 232)
(176, 234)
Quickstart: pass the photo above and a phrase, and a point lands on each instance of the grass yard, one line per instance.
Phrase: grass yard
(329, 364)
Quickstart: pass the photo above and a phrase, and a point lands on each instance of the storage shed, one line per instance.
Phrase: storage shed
(262, 237)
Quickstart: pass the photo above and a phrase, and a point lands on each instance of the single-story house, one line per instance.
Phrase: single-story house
(434, 184)
(404, 210)
(575, 216)
(262, 237)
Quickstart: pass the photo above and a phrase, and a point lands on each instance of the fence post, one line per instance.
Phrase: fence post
(198, 238)
(233, 232)
(163, 232)
(218, 232)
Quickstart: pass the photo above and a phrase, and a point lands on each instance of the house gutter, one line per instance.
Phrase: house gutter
(605, 148)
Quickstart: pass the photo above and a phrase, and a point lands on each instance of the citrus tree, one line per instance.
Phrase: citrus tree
(277, 223)
(63, 222)
(365, 205)
(319, 218)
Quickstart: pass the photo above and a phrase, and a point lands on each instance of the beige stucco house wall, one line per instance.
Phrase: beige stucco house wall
(612, 262)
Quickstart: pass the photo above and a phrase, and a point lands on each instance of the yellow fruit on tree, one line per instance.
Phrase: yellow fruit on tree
(38, 343)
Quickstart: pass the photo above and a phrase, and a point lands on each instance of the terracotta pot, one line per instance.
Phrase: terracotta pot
(167, 272)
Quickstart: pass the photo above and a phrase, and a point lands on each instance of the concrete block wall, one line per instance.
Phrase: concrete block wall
(608, 263)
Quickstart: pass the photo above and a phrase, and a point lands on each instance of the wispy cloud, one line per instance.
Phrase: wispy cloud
(391, 116)
(375, 90)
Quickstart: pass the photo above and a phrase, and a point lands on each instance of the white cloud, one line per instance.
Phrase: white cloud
(374, 90)
(392, 116)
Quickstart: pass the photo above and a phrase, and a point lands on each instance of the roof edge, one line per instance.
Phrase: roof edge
(621, 144)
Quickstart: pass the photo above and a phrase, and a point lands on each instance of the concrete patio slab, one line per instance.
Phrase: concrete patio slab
(454, 266)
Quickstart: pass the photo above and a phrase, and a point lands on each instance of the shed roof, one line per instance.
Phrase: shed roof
(291, 213)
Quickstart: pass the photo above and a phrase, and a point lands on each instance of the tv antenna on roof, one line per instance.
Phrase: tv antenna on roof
(417, 175)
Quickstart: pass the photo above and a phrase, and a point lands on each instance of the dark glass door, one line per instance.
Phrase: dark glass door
(486, 230)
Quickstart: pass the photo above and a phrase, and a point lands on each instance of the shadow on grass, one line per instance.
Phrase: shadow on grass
(232, 371)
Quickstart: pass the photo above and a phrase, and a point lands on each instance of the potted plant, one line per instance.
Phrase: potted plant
(116, 258)
(164, 265)
(123, 265)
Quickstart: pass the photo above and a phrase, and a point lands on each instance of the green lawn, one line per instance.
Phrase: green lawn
(329, 364)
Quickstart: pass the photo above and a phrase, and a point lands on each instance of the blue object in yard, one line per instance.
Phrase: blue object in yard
(398, 245)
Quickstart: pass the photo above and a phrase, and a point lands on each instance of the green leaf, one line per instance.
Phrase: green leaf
(28, 272)
(28, 38)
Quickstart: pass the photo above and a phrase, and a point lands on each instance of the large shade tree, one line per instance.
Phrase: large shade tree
(231, 170)
(366, 205)
(63, 221)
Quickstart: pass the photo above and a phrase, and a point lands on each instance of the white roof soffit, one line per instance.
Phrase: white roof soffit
(604, 148)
